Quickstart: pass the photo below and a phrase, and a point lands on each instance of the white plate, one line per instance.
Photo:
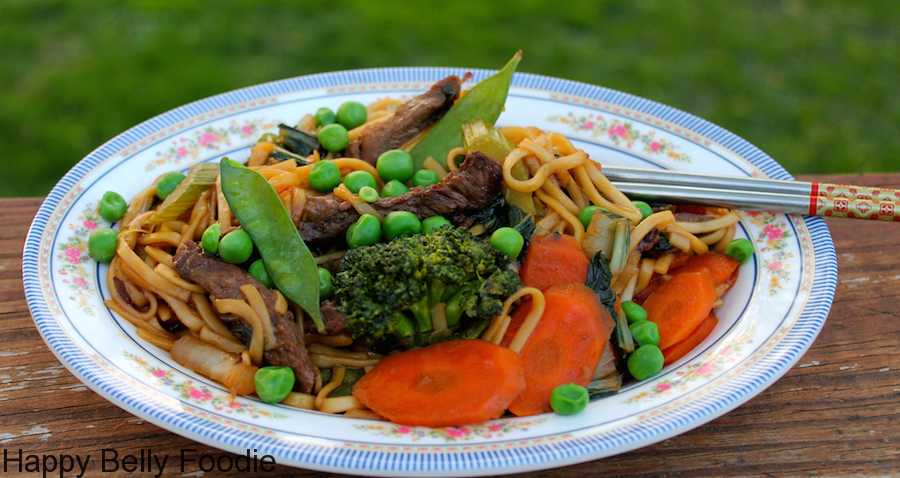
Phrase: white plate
(770, 318)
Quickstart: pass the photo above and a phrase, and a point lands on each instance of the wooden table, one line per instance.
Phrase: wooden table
(836, 413)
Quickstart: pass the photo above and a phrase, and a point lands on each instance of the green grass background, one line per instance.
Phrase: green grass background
(812, 83)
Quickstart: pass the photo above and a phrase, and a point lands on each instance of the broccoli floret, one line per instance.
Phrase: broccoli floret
(392, 288)
(487, 300)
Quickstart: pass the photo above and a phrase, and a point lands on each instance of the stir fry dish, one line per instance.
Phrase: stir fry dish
(409, 261)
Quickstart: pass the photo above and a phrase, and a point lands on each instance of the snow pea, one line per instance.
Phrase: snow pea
(485, 100)
(262, 215)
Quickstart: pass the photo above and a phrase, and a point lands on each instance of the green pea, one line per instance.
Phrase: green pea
(645, 332)
(401, 223)
(425, 178)
(168, 183)
(368, 194)
(273, 384)
(393, 188)
(587, 213)
(645, 208)
(236, 247)
(364, 232)
(102, 244)
(351, 114)
(324, 117)
(324, 176)
(569, 399)
(258, 270)
(326, 283)
(633, 311)
(334, 137)
(508, 241)
(210, 239)
(645, 362)
(433, 223)
(740, 249)
(395, 164)
(112, 206)
(357, 179)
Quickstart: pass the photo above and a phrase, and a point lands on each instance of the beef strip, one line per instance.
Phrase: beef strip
(410, 119)
(469, 189)
(335, 320)
(223, 281)
(691, 217)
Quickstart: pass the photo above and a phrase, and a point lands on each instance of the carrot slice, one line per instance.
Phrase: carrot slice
(554, 258)
(675, 352)
(516, 319)
(565, 347)
(446, 384)
(719, 265)
(679, 305)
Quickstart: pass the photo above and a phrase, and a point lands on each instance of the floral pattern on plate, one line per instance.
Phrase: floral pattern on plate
(621, 132)
(74, 256)
(209, 139)
(497, 429)
(198, 393)
(702, 371)
(772, 239)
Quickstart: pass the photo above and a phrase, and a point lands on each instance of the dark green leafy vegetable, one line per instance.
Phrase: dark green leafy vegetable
(280, 154)
(599, 278)
(351, 376)
(500, 213)
(485, 100)
(262, 214)
(298, 141)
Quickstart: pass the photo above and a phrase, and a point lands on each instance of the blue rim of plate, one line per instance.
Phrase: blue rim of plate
(329, 457)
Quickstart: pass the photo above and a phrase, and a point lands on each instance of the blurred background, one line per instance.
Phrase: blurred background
(811, 83)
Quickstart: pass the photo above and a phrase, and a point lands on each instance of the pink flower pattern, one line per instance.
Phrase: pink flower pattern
(73, 256)
(496, 429)
(200, 394)
(209, 139)
(772, 240)
(706, 369)
(621, 133)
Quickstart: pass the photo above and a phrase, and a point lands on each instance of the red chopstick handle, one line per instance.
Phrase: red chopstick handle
(854, 208)
(844, 191)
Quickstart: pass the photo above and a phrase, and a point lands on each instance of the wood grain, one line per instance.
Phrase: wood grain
(836, 413)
